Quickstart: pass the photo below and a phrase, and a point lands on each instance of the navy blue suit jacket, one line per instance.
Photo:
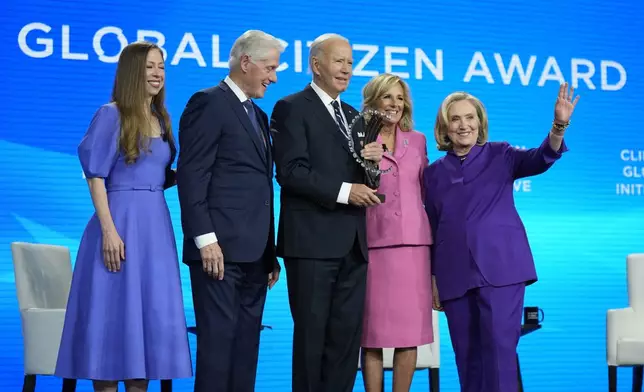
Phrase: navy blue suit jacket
(225, 178)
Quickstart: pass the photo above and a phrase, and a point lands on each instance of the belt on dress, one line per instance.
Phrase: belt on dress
(120, 188)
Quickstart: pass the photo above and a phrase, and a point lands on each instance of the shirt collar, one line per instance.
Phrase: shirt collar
(471, 154)
(326, 98)
(235, 88)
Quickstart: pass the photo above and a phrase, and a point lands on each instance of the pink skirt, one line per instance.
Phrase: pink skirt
(398, 305)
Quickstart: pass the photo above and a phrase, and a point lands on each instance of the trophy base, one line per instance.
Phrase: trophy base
(381, 197)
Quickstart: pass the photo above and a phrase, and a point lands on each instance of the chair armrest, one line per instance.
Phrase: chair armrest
(41, 332)
(621, 324)
(428, 356)
(436, 346)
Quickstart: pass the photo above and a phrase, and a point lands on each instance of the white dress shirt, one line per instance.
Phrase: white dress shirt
(211, 238)
(345, 189)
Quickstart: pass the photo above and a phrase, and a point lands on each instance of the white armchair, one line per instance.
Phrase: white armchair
(625, 328)
(43, 277)
(429, 357)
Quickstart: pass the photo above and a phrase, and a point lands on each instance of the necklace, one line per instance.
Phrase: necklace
(389, 139)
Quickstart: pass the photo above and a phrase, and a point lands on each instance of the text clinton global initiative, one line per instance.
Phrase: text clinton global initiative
(39, 40)
(633, 171)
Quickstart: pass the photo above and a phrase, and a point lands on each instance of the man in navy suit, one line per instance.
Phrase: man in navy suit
(225, 185)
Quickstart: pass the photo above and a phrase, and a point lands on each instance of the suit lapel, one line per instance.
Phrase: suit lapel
(471, 156)
(402, 143)
(400, 147)
(267, 137)
(260, 143)
(328, 122)
(454, 168)
(467, 170)
(349, 115)
(241, 114)
(471, 165)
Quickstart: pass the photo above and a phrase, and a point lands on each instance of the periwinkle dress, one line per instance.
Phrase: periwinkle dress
(128, 324)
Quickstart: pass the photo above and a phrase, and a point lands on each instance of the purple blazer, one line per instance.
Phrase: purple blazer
(471, 211)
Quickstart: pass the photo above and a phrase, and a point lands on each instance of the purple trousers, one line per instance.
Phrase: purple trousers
(485, 327)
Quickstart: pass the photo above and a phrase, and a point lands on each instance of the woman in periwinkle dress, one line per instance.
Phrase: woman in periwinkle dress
(125, 317)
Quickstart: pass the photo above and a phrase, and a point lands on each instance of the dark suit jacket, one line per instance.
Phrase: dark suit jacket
(225, 178)
(312, 160)
(170, 175)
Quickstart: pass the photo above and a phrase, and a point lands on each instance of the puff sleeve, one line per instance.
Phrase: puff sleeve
(98, 150)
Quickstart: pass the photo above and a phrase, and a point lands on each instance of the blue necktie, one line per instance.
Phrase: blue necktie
(248, 104)
(338, 118)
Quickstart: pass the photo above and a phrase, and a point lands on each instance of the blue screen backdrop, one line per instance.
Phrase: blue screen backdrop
(57, 62)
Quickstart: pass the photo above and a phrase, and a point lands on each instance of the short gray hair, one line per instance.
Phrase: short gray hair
(319, 41)
(254, 43)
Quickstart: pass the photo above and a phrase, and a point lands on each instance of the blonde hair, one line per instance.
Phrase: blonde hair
(442, 120)
(378, 86)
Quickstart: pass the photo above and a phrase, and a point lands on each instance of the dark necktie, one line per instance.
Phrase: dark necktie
(248, 104)
(338, 118)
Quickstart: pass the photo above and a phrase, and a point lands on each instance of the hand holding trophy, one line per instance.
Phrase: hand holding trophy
(365, 127)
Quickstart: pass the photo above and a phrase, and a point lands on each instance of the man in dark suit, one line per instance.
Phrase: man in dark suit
(225, 185)
(321, 233)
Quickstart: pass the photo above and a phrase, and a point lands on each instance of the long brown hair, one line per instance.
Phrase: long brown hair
(130, 95)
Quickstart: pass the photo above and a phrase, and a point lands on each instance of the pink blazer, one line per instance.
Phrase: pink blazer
(401, 219)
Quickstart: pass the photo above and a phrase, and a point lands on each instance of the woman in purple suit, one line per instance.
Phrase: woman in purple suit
(125, 317)
(481, 259)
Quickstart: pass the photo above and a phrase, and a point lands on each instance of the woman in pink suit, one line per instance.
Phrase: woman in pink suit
(481, 258)
(398, 306)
